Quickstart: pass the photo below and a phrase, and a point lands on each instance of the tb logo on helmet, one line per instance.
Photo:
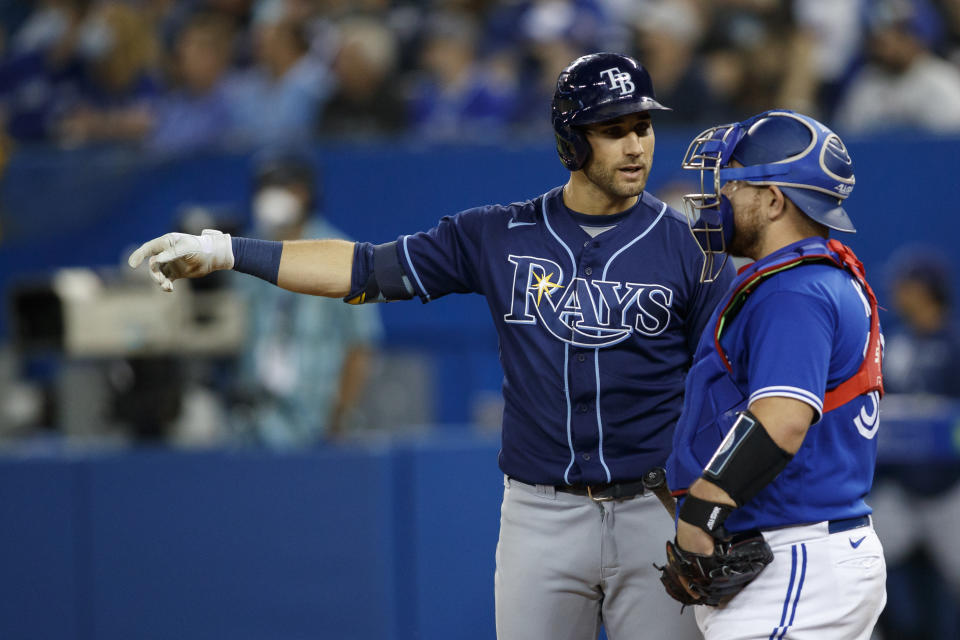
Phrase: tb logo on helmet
(594, 88)
(619, 80)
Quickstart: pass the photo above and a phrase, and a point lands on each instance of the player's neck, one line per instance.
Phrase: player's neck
(583, 196)
(778, 238)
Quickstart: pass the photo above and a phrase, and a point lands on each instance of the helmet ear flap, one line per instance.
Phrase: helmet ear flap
(573, 147)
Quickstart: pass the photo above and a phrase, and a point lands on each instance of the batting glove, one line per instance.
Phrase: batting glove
(181, 255)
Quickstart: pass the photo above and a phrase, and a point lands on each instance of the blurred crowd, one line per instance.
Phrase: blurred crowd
(177, 75)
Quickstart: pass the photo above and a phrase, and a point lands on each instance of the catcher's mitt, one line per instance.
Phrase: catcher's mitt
(692, 578)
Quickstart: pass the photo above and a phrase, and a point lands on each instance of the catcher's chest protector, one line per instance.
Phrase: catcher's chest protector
(869, 376)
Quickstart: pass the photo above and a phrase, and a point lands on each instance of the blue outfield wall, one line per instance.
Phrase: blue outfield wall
(349, 544)
(377, 542)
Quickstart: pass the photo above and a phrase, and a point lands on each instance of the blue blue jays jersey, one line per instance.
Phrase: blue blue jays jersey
(801, 332)
(596, 333)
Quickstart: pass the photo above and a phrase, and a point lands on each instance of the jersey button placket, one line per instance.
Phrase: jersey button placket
(588, 271)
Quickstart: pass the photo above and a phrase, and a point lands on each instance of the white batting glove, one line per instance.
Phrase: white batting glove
(181, 255)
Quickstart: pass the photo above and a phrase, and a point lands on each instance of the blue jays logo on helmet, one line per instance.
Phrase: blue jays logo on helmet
(594, 88)
(808, 161)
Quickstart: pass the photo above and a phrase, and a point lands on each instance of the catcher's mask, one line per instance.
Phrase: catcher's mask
(800, 155)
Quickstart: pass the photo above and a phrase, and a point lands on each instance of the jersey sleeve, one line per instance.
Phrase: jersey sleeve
(707, 296)
(789, 343)
(445, 259)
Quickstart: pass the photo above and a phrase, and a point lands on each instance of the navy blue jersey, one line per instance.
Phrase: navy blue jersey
(596, 333)
(801, 332)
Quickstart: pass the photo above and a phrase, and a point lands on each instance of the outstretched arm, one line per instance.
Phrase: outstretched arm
(315, 267)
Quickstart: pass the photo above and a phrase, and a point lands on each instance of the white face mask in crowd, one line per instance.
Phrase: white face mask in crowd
(276, 208)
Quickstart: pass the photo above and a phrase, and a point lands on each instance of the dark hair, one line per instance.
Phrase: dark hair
(288, 167)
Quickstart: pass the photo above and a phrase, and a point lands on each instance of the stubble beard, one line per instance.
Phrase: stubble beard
(606, 180)
(746, 233)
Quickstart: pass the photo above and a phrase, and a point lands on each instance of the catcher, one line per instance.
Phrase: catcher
(775, 448)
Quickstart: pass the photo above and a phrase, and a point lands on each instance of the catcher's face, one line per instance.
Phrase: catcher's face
(748, 217)
(621, 154)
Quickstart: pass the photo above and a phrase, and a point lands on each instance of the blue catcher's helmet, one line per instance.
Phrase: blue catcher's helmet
(594, 88)
(800, 155)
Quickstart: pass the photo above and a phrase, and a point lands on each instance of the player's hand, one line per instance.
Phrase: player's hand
(693, 538)
(181, 255)
(695, 578)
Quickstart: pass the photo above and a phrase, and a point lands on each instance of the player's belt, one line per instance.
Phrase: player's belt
(836, 526)
(606, 491)
(654, 480)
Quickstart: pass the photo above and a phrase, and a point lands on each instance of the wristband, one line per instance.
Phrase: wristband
(260, 258)
(706, 515)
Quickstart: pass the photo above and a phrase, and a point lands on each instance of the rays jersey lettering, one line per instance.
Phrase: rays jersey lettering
(585, 312)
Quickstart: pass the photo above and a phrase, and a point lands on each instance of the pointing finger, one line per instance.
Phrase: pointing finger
(150, 248)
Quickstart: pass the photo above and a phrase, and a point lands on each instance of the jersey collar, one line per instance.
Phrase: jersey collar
(798, 248)
(568, 222)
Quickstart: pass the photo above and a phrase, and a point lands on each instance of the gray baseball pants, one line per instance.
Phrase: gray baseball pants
(567, 564)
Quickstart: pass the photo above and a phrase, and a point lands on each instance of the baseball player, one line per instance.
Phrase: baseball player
(595, 290)
(775, 449)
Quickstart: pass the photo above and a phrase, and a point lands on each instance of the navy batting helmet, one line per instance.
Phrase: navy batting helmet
(594, 88)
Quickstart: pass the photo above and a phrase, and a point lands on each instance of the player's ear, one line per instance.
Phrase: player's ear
(775, 203)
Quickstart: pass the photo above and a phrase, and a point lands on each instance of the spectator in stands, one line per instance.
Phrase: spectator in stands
(43, 27)
(196, 113)
(534, 40)
(41, 69)
(307, 358)
(119, 86)
(668, 33)
(925, 356)
(367, 102)
(536, 67)
(277, 101)
(917, 506)
(950, 44)
(904, 85)
(833, 29)
(457, 98)
(757, 57)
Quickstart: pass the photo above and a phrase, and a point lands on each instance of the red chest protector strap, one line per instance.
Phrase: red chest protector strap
(869, 376)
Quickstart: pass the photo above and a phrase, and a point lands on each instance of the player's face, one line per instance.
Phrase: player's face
(621, 153)
(747, 218)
